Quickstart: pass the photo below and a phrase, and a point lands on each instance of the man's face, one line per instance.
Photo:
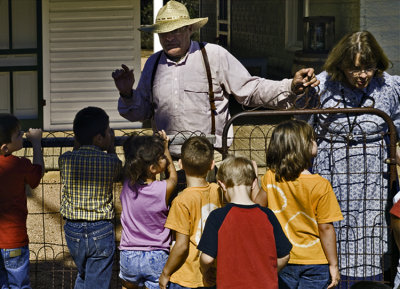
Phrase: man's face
(176, 43)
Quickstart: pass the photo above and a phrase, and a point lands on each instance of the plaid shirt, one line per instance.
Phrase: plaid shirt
(87, 175)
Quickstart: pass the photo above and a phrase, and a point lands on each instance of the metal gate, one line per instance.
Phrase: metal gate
(365, 246)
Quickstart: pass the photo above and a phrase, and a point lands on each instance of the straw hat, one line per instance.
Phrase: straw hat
(171, 16)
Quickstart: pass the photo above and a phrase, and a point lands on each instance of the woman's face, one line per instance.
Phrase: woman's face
(359, 76)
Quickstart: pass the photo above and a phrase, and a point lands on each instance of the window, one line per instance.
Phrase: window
(20, 60)
(295, 11)
(224, 23)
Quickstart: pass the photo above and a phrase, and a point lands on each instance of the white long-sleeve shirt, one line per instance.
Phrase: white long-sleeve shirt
(180, 92)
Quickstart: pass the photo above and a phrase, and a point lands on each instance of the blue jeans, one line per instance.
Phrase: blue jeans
(14, 268)
(142, 267)
(92, 247)
(347, 281)
(304, 277)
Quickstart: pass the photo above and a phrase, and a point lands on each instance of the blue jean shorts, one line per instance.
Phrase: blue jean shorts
(142, 267)
(14, 268)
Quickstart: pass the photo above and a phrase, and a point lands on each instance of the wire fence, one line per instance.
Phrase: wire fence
(52, 266)
(51, 263)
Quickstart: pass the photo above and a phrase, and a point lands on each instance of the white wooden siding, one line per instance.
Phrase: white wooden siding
(84, 41)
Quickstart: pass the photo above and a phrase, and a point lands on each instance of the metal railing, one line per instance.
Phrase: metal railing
(51, 264)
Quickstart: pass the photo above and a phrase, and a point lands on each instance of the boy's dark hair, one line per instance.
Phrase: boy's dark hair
(236, 171)
(290, 149)
(8, 125)
(197, 156)
(369, 285)
(140, 152)
(88, 123)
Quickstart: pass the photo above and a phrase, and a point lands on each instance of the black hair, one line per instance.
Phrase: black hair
(8, 125)
(141, 151)
(90, 122)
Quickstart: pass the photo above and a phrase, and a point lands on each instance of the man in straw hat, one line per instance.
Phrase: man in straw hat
(174, 88)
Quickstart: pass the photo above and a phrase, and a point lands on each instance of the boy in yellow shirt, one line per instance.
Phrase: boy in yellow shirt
(188, 214)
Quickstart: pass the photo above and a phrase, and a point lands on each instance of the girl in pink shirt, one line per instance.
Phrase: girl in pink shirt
(145, 241)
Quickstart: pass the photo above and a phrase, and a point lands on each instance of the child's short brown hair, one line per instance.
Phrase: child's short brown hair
(8, 125)
(197, 156)
(290, 149)
(236, 171)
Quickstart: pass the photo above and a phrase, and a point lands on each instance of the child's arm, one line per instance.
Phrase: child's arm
(111, 148)
(34, 135)
(173, 177)
(281, 262)
(207, 268)
(328, 240)
(177, 257)
(258, 195)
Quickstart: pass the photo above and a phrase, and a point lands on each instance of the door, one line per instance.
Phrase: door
(20, 61)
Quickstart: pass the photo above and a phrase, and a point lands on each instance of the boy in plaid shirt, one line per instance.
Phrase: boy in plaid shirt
(87, 175)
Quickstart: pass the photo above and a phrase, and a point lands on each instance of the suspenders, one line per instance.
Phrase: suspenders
(210, 87)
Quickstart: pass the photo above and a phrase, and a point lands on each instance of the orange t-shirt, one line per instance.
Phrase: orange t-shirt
(188, 214)
(300, 206)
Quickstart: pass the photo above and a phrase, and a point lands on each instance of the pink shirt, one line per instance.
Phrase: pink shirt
(181, 92)
(144, 212)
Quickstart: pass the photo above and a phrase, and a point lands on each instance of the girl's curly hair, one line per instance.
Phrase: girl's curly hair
(140, 152)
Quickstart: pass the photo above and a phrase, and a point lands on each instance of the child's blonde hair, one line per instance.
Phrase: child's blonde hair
(290, 149)
(236, 171)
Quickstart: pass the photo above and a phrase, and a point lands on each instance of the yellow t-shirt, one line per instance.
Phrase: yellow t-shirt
(300, 206)
(188, 215)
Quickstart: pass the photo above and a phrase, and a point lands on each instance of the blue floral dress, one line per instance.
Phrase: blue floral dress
(351, 154)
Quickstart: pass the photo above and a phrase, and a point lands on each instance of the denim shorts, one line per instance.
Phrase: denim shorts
(142, 267)
(304, 276)
(14, 268)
